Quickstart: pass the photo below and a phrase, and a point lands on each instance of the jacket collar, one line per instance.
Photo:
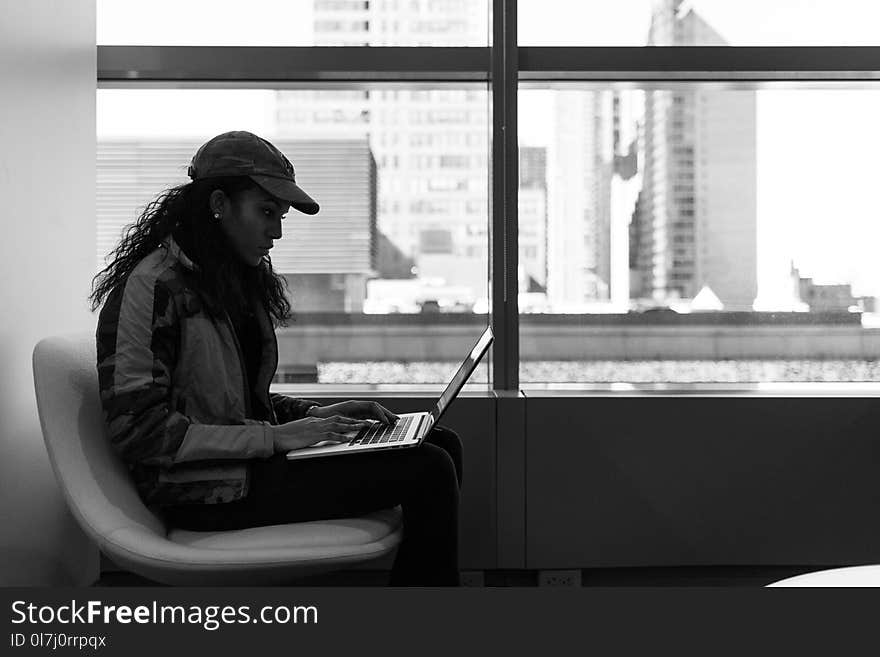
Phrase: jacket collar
(174, 249)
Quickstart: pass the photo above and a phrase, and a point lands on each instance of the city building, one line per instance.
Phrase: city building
(431, 145)
(593, 184)
(326, 258)
(580, 168)
(695, 227)
(626, 185)
(827, 297)
(401, 22)
(532, 204)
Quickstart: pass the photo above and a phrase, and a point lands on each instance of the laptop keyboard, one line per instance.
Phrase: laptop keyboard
(383, 433)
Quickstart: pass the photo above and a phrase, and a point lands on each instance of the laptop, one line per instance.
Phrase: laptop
(411, 429)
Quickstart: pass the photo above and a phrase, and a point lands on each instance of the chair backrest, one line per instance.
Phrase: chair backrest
(96, 484)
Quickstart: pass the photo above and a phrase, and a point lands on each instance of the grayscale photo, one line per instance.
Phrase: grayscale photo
(339, 297)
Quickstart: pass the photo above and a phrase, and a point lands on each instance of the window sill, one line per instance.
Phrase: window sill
(783, 389)
(350, 390)
(789, 389)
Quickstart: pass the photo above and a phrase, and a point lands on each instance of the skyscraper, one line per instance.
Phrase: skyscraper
(697, 215)
(431, 145)
(580, 169)
(533, 218)
(626, 185)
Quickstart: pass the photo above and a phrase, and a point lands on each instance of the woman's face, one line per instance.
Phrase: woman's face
(251, 222)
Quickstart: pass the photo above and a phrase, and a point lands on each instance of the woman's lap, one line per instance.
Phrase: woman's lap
(283, 491)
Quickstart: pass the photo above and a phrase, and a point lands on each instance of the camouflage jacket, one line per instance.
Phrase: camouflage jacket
(174, 389)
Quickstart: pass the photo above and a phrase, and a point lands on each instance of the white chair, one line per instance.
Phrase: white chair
(851, 576)
(103, 499)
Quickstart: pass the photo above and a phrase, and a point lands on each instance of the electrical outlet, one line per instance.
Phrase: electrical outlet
(472, 578)
(559, 578)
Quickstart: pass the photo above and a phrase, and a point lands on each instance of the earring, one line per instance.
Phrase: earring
(216, 215)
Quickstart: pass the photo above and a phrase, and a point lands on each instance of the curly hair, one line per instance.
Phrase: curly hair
(185, 213)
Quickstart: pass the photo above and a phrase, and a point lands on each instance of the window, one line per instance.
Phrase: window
(453, 161)
(685, 193)
(351, 263)
(743, 306)
(698, 23)
(288, 23)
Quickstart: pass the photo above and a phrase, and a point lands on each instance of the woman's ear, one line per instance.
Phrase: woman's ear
(218, 202)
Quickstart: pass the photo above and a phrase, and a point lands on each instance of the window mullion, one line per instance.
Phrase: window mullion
(505, 186)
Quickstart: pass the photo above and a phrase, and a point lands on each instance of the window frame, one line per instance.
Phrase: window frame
(505, 67)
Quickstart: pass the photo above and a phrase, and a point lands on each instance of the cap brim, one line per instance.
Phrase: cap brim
(288, 191)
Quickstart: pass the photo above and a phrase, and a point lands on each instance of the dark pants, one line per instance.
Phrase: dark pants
(424, 480)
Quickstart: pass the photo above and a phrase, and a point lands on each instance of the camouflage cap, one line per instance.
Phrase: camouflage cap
(241, 153)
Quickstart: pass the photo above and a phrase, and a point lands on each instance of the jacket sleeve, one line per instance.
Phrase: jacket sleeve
(289, 409)
(138, 340)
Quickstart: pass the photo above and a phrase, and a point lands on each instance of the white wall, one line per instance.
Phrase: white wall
(47, 210)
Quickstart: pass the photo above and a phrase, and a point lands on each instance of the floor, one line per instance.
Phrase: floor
(754, 576)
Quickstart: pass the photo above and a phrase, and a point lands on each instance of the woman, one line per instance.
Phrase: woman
(186, 353)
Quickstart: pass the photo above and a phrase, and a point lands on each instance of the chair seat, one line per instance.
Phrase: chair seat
(275, 554)
(351, 533)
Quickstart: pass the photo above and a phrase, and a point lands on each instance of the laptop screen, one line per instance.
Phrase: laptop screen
(466, 369)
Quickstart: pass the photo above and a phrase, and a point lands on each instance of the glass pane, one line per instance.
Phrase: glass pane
(697, 235)
(699, 23)
(293, 22)
(389, 281)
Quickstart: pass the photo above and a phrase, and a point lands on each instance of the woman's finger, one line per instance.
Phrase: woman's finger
(346, 427)
(374, 409)
(384, 415)
(344, 419)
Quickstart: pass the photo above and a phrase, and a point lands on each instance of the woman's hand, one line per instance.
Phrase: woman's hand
(362, 410)
(311, 430)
